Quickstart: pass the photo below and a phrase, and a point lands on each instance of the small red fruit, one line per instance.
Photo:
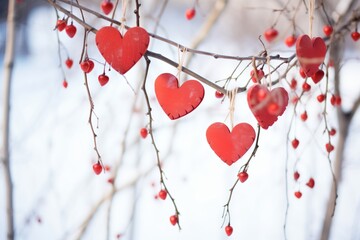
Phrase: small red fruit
(332, 132)
(258, 76)
(110, 180)
(329, 147)
(69, 62)
(106, 6)
(302, 73)
(270, 34)
(97, 168)
(320, 98)
(333, 100)
(61, 24)
(310, 183)
(190, 13)
(317, 76)
(87, 65)
(243, 176)
(293, 84)
(338, 100)
(65, 83)
(143, 132)
(261, 94)
(162, 194)
(174, 219)
(70, 30)
(355, 36)
(306, 87)
(295, 143)
(298, 194)
(290, 41)
(304, 116)
(219, 94)
(327, 30)
(229, 230)
(296, 175)
(273, 108)
(103, 79)
(295, 99)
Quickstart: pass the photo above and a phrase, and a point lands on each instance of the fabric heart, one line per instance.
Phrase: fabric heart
(230, 146)
(310, 53)
(122, 52)
(267, 105)
(177, 101)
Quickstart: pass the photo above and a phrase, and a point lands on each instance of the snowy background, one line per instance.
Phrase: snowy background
(52, 149)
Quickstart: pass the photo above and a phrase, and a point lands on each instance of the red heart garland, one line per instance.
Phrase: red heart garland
(230, 146)
(310, 53)
(267, 105)
(177, 101)
(122, 52)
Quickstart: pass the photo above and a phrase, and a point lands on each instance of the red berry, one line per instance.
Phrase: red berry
(162, 194)
(338, 100)
(143, 132)
(310, 183)
(306, 87)
(355, 36)
(190, 13)
(333, 100)
(229, 230)
(317, 76)
(258, 76)
(61, 24)
(97, 168)
(293, 84)
(174, 219)
(327, 30)
(298, 194)
(243, 176)
(270, 34)
(70, 30)
(261, 94)
(304, 116)
(69, 62)
(65, 83)
(87, 65)
(296, 175)
(320, 97)
(332, 132)
(110, 180)
(273, 108)
(295, 143)
(103, 79)
(302, 73)
(106, 6)
(107, 168)
(329, 147)
(219, 94)
(290, 41)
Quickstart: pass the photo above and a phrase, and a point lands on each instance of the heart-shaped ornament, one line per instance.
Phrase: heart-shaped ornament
(230, 146)
(177, 101)
(310, 53)
(122, 52)
(267, 105)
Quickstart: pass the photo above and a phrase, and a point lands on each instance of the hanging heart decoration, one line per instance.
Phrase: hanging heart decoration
(122, 52)
(177, 101)
(267, 105)
(230, 146)
(310, 53)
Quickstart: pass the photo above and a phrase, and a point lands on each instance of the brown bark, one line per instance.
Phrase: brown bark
(5, 155)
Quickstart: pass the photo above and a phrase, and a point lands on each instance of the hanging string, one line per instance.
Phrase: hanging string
(181, 60)
(269, 71)
(123, 18)
(232, 95)
(311, 16)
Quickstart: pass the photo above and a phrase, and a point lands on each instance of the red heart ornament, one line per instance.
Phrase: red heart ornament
(267, 105)
(310, 53)
(177, 101)
(230, 146)
(122, 52)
